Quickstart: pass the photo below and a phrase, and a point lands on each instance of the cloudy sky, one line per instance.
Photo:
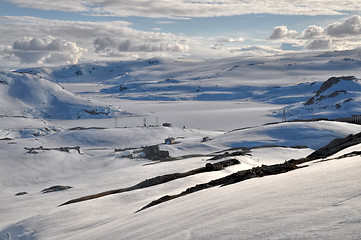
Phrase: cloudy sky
(48, 32)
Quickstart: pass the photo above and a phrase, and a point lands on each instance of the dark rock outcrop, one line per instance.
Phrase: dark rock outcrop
(333, 81)
(21, 193)
(335, 146)
(159, 180)
(56, 188)
(6, 139)
(239, 176)
(61, 149)
(227, 154)
(122, 88)
(326, 85)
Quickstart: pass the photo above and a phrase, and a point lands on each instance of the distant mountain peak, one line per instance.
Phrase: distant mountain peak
(320, 94)
(333, 81)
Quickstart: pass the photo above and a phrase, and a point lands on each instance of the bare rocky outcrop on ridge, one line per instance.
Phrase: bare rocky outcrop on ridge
(159, 180)
(56, 188)
(85, 128)
(61, 149)
(227, 154)
(239, 176)
(265, 170)
(256, 172)
(327, 85)
(335, 146)
(6, 139)
(338, 97)
(21, 193)
(332, 81)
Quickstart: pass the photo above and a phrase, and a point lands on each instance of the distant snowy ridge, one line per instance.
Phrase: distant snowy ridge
(338, 97)
(29, 95)
(89, 72)
(289, 80)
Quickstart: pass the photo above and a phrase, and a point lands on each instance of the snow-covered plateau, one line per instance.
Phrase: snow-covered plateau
(236, 148)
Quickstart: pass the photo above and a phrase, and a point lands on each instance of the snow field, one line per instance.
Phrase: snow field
(232, 101)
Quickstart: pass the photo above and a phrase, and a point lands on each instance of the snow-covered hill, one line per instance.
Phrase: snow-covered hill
(29, 95)
(91, 72)
(59, 144)
(289, 81)
(336, 98)
(324, 193)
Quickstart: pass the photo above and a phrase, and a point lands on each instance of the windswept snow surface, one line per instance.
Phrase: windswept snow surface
(319, 201)
(98, 168)
(53, 136)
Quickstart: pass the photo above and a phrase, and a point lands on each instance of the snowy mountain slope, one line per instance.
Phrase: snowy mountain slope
(251, 71)
(319, 201)
(25, 94)
(336, 98)
(98, 168)
(30, 127)
(127, 137)
(190, 141)
(91, 72)
(310, 134)
(272, 71)
(303, 100)
(290, 79)
(207, 90)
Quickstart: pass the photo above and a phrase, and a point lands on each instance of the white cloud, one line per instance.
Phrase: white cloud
(312, 32)
(336, 36)
(231, 40)
(23, 25)
(350, 27)
(257, 50)
(225, 43)
(282, 32)
(5, 49)
(166, 22)
(42, 50)
(48, 43)
(117, 39)
(107, 45)
(319, 44)
(199, 8)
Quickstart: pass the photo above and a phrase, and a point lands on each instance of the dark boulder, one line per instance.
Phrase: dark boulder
(21, 193)
(56, 188)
